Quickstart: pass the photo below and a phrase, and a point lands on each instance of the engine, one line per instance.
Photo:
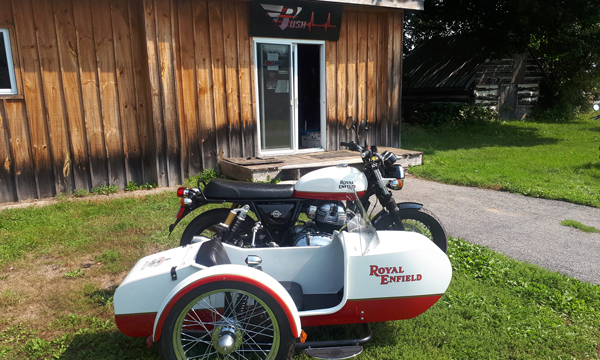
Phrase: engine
(328, 217)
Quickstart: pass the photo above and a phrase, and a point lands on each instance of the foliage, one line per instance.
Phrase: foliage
(580, 226)
(450, 115)
(74, 274)
(148, 186)
(204, 178)
(564, 35)
(105, 190)
(81, 193)
(553, 160)
(132, 186)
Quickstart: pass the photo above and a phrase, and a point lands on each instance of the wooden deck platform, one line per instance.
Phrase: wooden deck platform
(292, 167)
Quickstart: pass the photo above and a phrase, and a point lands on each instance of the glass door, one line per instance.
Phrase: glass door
(275, 92)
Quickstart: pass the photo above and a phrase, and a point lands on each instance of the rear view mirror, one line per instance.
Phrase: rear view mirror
(349, 123)
(363, 125)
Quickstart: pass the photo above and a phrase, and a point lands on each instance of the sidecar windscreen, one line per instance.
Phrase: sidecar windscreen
(357, 222)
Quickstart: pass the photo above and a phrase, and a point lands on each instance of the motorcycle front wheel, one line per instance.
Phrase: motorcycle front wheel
(416, 220)
(206, 224)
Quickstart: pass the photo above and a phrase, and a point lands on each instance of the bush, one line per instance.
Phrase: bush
(449, 115)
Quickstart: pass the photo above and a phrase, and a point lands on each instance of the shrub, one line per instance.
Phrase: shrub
(449, 115)
(105, 190)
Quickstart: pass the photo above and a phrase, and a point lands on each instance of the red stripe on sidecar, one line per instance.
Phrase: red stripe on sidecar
(136, 325)
(198, 283)
(374, 310)
(341, 196)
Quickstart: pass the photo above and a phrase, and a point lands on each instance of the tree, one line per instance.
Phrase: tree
(564, 35)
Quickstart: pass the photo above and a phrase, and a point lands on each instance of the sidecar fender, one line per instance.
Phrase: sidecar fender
(230, 273)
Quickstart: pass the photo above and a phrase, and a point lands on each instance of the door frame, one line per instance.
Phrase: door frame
(293, 87)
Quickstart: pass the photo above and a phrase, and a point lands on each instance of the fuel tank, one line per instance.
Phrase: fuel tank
(331, 183)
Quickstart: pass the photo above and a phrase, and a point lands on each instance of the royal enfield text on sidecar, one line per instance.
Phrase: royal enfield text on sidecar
(213, 300)
(291, 215)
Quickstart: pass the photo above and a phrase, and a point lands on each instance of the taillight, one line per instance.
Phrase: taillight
(182, 191)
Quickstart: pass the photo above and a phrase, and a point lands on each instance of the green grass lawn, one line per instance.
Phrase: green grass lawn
(59, 266)
(554, 160)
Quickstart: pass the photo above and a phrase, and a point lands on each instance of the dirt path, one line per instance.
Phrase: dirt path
(521, 227)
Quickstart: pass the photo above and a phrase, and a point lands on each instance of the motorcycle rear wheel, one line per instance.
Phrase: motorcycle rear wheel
(416, 220)
(206, 223)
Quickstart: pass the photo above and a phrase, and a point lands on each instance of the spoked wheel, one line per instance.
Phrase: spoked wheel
(227, 320)
(420, 221)
(207, 224)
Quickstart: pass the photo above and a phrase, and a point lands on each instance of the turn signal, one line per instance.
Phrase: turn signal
(303, 337)
(186, 201)
(181, 192)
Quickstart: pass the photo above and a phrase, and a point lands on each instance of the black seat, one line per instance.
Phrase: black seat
(233, 190)
(295, 291)
(212, 253)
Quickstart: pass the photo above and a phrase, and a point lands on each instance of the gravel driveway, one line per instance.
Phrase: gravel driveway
(521, 227)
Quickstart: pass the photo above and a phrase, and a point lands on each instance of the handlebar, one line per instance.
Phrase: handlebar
(352, 146)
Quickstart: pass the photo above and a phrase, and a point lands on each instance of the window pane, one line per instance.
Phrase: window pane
(4, 74)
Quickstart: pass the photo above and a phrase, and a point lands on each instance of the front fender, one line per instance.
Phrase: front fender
(383, 214)
(239, 273)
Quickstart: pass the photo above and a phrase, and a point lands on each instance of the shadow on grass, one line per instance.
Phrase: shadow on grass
(590, 166)
(492, 135)
(108, 345)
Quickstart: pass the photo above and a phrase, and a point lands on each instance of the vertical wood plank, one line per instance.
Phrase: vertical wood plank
(142, 90)
(331, 92)
(390, 81)
(6, 14)
(342, 77)
(396, 79)
(372, 78)
(382, 79)
(352, 69)
(69, 64)
(168, 87)
(154, 68)
(105, 58)
(232, 79)
(181, 122)
(32, 87)
(361, 60)
(53, 96)
(90, 93)
(188, 85)
(215, 21)
(126, 91)
(246, 81)
(8, 190)
(23, 164)
(205, 94)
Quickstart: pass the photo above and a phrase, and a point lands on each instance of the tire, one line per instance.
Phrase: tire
(250, 319)
(204, 224)
(417, 220)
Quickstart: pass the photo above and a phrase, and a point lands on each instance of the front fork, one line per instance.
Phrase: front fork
(387, 200)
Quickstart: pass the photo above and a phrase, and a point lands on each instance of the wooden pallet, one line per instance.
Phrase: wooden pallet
(292, 167)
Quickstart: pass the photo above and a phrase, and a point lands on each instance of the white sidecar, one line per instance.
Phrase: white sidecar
(214, 300)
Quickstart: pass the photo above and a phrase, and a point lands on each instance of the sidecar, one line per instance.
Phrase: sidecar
(214, 300)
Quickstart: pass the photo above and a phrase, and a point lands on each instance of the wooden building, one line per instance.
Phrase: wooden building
(103, 92)
(465, 69)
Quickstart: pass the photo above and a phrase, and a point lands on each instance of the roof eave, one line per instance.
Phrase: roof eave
(397, 4)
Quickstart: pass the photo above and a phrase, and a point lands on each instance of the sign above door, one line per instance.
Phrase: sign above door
(296, 20)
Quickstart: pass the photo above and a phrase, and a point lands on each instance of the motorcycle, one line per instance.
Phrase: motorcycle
(214, 300)
(309, 211)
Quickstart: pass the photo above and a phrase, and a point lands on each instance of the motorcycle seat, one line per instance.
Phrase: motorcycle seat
(212, 253)
(233, 190)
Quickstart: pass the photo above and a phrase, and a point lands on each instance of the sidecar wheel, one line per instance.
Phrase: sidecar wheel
(417, 220)
(227, 320)
(205, 224)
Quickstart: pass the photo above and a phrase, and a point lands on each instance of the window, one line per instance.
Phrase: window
(8, 84)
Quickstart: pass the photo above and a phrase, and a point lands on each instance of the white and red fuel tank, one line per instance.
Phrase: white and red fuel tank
(331, 183)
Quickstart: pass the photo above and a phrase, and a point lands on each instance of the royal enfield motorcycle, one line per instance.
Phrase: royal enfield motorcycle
(214, 300)
(309, 211)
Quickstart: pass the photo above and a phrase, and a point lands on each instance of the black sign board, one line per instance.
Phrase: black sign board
(296, 19)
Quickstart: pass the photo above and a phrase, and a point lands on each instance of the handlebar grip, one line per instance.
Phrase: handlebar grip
(345, 144)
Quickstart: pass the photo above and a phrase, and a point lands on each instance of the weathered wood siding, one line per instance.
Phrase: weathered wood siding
(158, 90)
(79, 119)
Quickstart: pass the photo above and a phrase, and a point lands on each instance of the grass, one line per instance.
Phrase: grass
(553, 160)
(580, 226)
(495, 308)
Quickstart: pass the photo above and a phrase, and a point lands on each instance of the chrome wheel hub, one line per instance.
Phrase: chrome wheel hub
(226, 339)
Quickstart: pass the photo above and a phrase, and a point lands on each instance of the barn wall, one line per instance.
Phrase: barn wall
(156, 90)
(80, 115)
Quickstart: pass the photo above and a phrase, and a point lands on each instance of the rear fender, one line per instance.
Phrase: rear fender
(239, 273)
(383, 214)
(186, 211)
